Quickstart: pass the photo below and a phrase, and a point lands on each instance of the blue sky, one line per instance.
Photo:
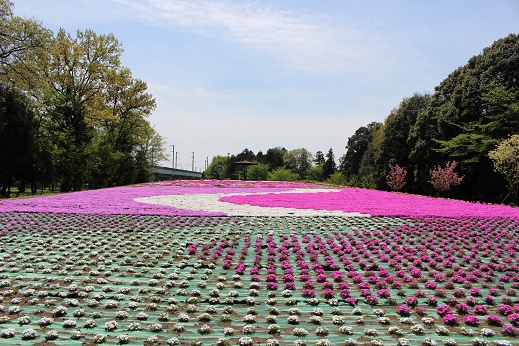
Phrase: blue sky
(234, 74)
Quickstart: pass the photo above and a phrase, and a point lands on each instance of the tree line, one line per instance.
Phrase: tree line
(71, 115)
(276, 163)
(462, 141)
(467, 118)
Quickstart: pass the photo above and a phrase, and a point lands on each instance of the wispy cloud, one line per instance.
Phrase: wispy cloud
(303, 40)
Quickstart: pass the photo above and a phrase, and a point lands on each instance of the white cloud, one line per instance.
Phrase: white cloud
(302, 40)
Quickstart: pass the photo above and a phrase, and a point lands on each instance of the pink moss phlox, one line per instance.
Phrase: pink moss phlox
(378, 203)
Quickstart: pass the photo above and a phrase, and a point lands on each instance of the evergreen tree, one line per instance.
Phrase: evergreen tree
(329, 166)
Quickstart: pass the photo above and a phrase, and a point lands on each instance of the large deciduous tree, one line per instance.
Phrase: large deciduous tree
(90, 127)
(395, 147)
(274, 157)
(21, 41)
(77, 71)
(298, 161)
(356, 148)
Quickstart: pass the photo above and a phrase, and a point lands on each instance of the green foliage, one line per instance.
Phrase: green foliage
(274, 157)
(92, 128)
(506, 161)
(353, 181)
(329, 165)
(369, 181)
(502, 116)
(394, 146)
(22, 41)
(314, 173)
(282, 174)
(468, 147)
(258, 172)
(216, 168)
(337, 179)
(470, 111)
(319, 158)
(298, 161)
(16, 138)
(356, 148)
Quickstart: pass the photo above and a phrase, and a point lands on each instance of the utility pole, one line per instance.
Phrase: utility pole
(173, 156)
(193, 162)
(176, 159)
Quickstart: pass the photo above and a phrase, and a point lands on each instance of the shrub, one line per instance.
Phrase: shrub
(444, 179)
(258, 172)
(395, 177)
(282, 174)
(337, 178)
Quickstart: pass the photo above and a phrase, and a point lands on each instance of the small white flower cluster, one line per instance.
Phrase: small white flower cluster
(51, 335)
(383, 320)
(378, 312)
(479, 342)
(29, 334)
(110, 326)
(449, 342)
(272, 342)
(69, 323)
(441, 330)
(300, 332)
(228, 331)
(370, 332)
(346, 330)
(395, 331)
(273, 328)
(76, 335)
(156, 328)
(205, 329)
(293, 319)
(173, 341)
(466, 332)
(248, 329)
(502, 343)
(418, 329)
(249, 318)
(337, 320)
(245, 341)
(487, 332)
(123, 339)
(7, 333)
(427, 321)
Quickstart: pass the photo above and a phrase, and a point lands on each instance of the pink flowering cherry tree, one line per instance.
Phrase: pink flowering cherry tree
(395, 177)
(444, 178)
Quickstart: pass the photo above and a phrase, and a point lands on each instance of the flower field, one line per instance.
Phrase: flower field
(256, 263)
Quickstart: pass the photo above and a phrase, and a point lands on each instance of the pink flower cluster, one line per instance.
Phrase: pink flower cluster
(378, 203)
